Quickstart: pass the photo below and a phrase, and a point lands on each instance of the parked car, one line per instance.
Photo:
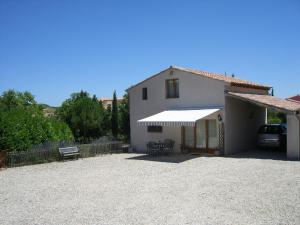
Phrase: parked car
(272, 136)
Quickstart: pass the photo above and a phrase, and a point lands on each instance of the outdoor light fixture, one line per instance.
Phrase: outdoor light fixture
(219, 118)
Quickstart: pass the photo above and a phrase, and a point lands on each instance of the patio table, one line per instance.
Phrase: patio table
(161, 146)
(157, 148)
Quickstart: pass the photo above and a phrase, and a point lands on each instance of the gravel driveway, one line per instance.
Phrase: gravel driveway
(134, 189)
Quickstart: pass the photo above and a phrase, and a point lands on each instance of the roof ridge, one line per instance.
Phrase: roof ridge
(216, 76)
(219, 76)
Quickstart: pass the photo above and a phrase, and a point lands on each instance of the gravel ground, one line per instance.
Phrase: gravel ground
(134, 189)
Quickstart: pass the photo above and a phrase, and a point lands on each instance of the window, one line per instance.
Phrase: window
(189, 136)
(212, 134)
(154, 129)
(145, 94)
(172, 88)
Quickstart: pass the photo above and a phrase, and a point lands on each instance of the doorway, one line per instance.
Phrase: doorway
(201, 138)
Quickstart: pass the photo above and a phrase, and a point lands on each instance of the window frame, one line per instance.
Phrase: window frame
(175, 82)
(154, 129)
(144, 93)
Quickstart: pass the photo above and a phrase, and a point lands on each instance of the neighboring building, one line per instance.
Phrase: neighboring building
(107, 102)
(49, 111)
(204, 112)
(295, 98)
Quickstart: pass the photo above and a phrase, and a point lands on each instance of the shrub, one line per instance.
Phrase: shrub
(23, 125)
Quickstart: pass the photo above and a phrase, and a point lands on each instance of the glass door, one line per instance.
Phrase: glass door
(212, 134)
(201, 134)
(189, 137)
(206, 136)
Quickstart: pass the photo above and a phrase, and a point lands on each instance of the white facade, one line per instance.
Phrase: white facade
(195, 91)
(293, 137)
(240, 119)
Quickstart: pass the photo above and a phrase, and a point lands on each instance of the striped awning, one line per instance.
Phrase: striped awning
(177, 118)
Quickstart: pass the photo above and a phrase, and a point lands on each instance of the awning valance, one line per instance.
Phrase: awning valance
(177, 118)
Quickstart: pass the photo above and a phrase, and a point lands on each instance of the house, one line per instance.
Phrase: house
(107, 102)
(205, 112)
(49, 111)
(295, 98)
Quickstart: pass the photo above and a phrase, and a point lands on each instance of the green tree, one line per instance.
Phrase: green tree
(58, 130)
(106, 125)
(13, 99)
(124, 118)
(22, 123)
(84, 115)
(276, 117)
(114, 116)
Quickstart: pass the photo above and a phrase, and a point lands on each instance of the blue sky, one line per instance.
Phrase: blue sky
(53, 48)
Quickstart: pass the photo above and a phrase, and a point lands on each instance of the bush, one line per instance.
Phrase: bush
(20, 129)
(23, 125)
(58, 130)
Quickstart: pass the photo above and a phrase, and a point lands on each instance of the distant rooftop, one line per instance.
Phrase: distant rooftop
(109, 99)
(295, 98)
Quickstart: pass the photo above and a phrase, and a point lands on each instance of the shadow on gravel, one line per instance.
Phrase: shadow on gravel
(251, 154)
(176, 158)
(261, 154)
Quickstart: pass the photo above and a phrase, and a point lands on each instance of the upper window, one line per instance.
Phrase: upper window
(172, 88)
(145, 94)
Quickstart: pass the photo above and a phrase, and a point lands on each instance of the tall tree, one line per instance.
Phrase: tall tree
(13, 99)
(106, 124)
(124, 118)
(84, 115)
(114, 116)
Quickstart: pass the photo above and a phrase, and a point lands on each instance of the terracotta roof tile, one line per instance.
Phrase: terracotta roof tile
(228, 79)
(294, 98)
(268, 101)
(221, 77)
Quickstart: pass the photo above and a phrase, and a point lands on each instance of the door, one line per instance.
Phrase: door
(189, 137)
(203, 136)
(212, 134)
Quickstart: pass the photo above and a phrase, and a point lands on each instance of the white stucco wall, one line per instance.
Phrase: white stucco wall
(242, 121)
(194, 91)
(293, 137)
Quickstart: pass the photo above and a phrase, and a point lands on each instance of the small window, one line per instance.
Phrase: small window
(172, 88)
(155, 129)
(145, 93)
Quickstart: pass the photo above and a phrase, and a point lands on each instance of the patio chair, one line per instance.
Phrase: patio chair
(152, 148)
(169, 146)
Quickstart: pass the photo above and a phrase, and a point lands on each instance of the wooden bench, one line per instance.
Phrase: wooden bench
(69, 152)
